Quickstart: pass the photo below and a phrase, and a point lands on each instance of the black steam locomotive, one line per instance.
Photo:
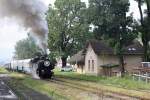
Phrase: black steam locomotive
(44, 66)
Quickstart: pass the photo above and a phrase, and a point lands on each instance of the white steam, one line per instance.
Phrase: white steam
(29, 14)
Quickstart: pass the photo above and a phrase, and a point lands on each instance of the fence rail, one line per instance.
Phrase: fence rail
(140, 77)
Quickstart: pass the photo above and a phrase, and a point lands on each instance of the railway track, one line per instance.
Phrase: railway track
(5, 91)
(102, 94)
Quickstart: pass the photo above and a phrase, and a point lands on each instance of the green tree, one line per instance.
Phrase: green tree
(26, 48)
(68, 28)
(144, 27)
(112, 24)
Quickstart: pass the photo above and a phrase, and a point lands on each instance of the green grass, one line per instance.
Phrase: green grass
(3, 70)
(126, 82)
(125, 85)
(27, 81)
(42, 86)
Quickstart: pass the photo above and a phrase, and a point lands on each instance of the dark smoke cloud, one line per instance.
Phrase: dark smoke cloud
(29, 14)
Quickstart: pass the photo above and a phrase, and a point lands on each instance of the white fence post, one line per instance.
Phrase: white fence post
(146, 77)
(141, 76)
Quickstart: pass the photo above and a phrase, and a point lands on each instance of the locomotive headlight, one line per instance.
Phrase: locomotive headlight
(46, 63)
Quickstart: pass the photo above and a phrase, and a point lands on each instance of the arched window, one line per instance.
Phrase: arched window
(93, 65)
(88, 65)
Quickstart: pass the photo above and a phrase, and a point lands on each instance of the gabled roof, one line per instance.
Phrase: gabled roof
(100, 47)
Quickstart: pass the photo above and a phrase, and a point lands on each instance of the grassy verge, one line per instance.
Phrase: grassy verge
(3, 70)
(124, 86)
(126, 82)
(20, 80)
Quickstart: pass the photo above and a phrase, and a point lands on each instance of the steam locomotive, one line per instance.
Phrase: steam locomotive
(39, 67)
(43, 66)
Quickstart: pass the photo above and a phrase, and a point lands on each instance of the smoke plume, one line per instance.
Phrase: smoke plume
(29, 14)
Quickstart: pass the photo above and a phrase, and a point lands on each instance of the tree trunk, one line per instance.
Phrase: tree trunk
(148, 7)
(145, 45)
(148, 31)
(145, 39)
(64, 61)
(145, 53)
(121, 61)
(141, 13)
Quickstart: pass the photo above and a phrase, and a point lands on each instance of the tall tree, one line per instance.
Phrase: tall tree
(26, 48)
(112, 23)
(68, 29)
(144, 27)
(148, 26)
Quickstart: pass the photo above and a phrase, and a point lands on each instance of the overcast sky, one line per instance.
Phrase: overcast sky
(11, 32)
